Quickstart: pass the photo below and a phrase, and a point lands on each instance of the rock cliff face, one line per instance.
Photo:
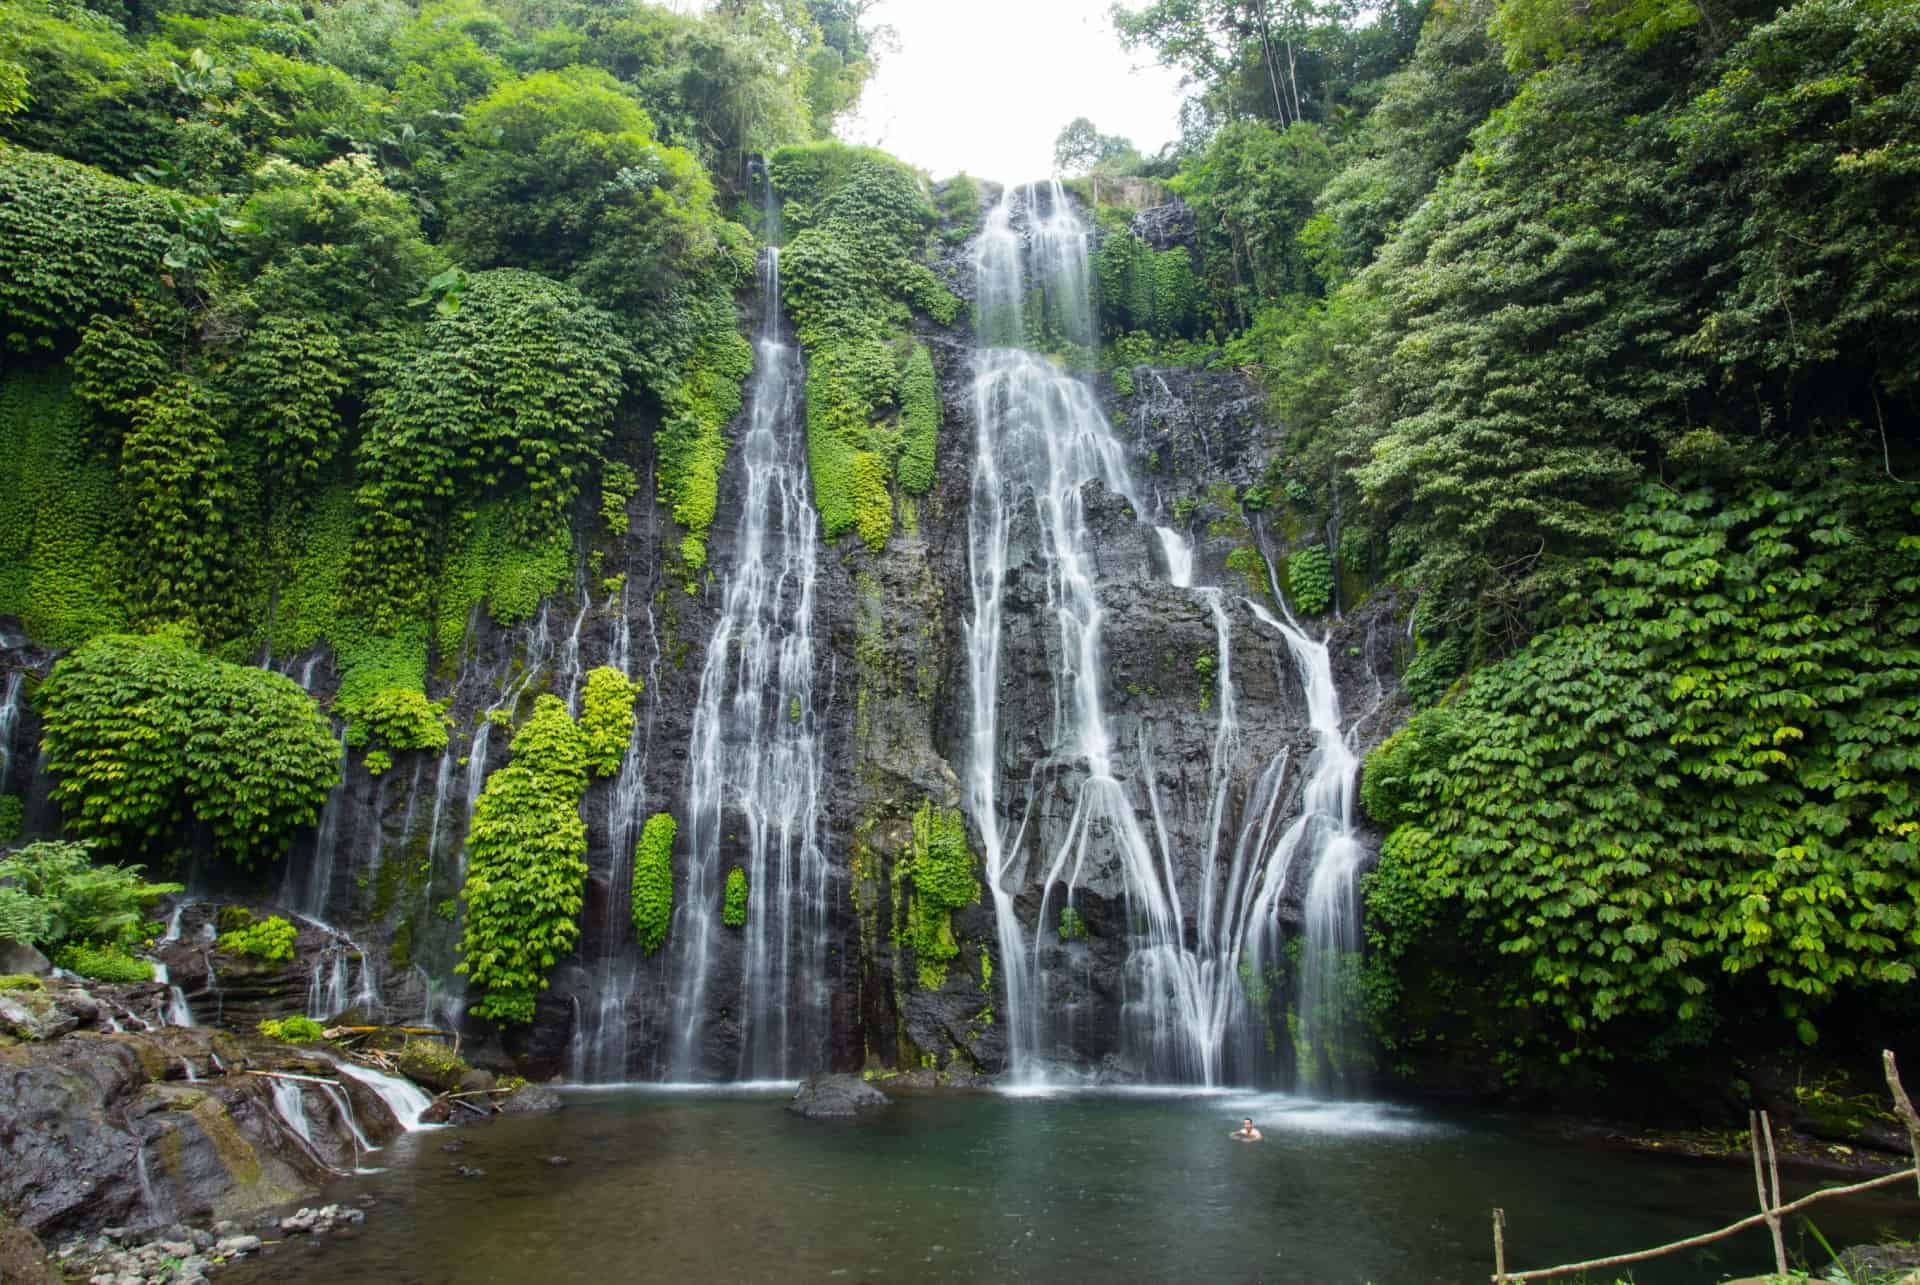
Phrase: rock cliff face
(384, 865)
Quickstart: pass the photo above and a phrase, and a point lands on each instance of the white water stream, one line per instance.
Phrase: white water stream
(754, 797)
(1199, 943)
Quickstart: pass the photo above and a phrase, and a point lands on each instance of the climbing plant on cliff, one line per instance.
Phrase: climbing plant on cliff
(1696, 799)
(653, 881)
(606, 718)
(852, 276)
(150, 742)
(527, 868)
(940, 864)
(511, 393)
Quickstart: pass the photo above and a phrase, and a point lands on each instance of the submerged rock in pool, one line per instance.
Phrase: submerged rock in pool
(829, 1097)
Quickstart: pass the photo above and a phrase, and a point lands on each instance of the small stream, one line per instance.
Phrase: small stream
(724, 1185)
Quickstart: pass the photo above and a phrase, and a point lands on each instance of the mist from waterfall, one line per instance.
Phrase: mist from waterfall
(754, 797)
(1196, 994)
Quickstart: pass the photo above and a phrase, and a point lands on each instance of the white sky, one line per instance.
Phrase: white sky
(984, 85)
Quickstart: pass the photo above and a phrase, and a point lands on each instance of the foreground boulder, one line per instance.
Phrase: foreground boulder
(102, 1128)
(835, 1096)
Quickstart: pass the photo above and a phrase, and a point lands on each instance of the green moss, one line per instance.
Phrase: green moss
(618, 482)
(293, 1030)
(919, 422)
(1252, 567)
(20, 982)
(940, 865)
(733, 910)
(653, 882)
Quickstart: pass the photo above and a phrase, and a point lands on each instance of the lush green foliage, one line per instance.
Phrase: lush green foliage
(102, 963)
(12, 815)
(940, 864)
(852, 274)
(75, 242)
(178, 479)
(1142, 289)
(58, 510)
(618, 482)
(527, 869)
(145, 736)
(691, 439)
(515, 389)
(52, 893)
(1702, 784)
(606, 718)
(653, 882)
(293, 1030)
(919, 422)
(269, 940)
(395, 718)
(733, 907)
(1310, 580)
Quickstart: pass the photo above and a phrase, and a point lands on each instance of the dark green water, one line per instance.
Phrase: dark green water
(701, 1186)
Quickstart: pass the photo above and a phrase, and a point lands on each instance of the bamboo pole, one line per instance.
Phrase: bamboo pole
(1903, 1107)
(1499, 1247)
(1759, 1178)
(1707, 1238)
(1773, 1172)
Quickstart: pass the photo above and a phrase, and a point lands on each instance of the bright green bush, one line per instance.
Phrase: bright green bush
(269, 940)
(618, 482)
(527, 868)
(177, 480)
(145, 736)
(51, 892)
(733, 909)
(293, 1030)
(705, 395)
(1310, 580)
(396, 718)
(653, 882)
(606, 718)
(940, 864)
(12, 814)
(103, 963)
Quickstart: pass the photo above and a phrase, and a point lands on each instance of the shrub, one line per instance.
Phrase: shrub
(12, 814)
(396, 718)
(1310, 579)
(144, 735)
(103, 963)
(270, 940)
(653, 882)
(293, 1030)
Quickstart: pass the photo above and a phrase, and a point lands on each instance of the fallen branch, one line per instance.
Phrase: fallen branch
(1707, 1238)
(289, 1075)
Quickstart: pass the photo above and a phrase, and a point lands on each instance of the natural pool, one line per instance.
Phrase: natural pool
(1137, 1186)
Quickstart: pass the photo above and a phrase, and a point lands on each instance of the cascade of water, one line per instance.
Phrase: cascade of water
(343, 1112)
(311, 897)
(179, 1012)
(571, 672)
(755, 757)
(1190, 968)
(9, 716)
(600, 1044)
(403, 1097)
(290, 1103)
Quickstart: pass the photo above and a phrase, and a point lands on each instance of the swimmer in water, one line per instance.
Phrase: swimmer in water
(1246, 1132)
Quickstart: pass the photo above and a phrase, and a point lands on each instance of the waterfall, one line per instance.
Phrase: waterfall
(404, 1098)
(311, 897)
(179, 1012)
(599, 1048)
(1199, 934)
(754, 795)
(9, 717)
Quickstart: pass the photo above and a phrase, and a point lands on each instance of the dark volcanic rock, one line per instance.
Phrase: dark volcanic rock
(23, 1259)
(19, 958)
(102, 1128)
(833, 1095)
(534, 1099)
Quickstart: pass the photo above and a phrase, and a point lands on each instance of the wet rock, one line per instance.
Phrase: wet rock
(828, 1096)
(22, 1257)
(34, 1015)
(1165, 226)
(432, 1065)
(469, 1171)
(235, 1246)
(533, 1099)
(476, 1081)
(558, 1162)
(455, 1145)
(18, 958)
